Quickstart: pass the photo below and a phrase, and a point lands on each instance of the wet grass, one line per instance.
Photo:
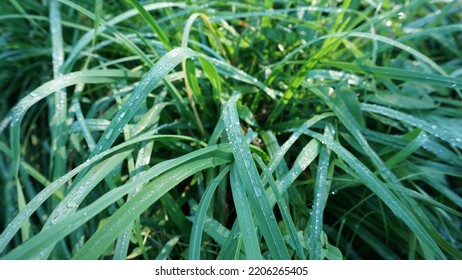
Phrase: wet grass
(230, 130)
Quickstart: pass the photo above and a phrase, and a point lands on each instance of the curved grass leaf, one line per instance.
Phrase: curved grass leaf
(104, 237)
(38, 200)
(454, 138)
(126, 112)
(372, 182)
(317, 59)
(217, 231)
(89, 77)
(397, 74)
(276, 159)
(303, 160)
(88, 37)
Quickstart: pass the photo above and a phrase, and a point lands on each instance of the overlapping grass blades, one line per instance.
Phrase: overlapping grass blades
(14, 226)
(383, 192)
(321, 192)
(164, 181)
(344, 141)
(252, 186)
(201, 216)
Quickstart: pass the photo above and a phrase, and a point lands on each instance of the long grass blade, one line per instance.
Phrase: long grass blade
(397, 74)
(454, 138)
(284, 210)
(153, 191)
(201, 216)
(245, 218)
(372, 182)
(152, 23)
(250, 178)
(320, 194)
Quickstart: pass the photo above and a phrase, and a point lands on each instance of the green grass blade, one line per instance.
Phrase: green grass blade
(397, 74)
(152, 23)
(89, 77)
(106, 235)
(248, 229)
(176, 215)
(88, 37)
(126, 112)
(406, 151)
(128, 109)
(306, 156)
(251, 179)
(320, 194)
(382, 81)
(58, 102)
(94, 176)
(276, 159)
(191, 80)
(26, 227)
(165, 252)
(272, 145)
(284, 210)
(372, 182)
(38, 200)
(201, 216)
(239, 75)
(96, 24)
(231, 247)
(402, 46)
(217, 231)
(195, 161)
(34, 173)
(212, 74)
(454, 138)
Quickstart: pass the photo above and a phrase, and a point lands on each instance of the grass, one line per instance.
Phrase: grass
(231, 130)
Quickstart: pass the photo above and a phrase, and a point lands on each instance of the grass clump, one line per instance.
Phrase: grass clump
(212, 130)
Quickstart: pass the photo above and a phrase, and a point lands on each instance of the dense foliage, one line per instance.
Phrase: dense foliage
(231, 129)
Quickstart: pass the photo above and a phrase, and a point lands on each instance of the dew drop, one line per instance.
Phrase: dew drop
(54, 220)
(71, 205)
(258, 192)
(331, 92)
(109, 133)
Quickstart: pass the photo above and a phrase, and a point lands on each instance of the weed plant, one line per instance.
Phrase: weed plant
(231, 129)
